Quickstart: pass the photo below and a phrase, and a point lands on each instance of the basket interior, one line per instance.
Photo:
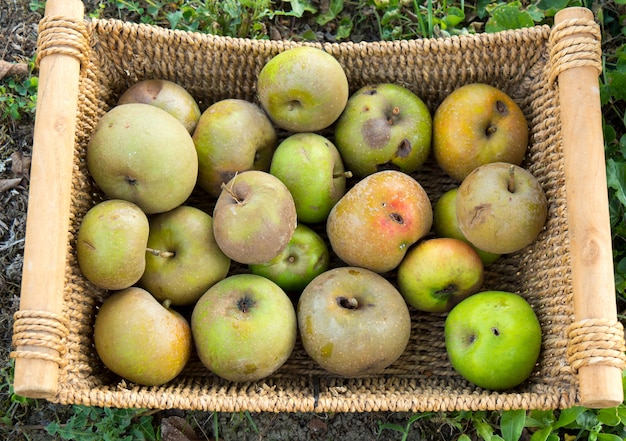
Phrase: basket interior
(214, 68)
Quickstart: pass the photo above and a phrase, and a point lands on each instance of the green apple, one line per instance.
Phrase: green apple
(353, 321)
(305, 257)
(244, 328)
(167, 95)
(111, 244)
(501, 208)
(446, 224)
(384, 126)
(232, 136)
(376, 221)
(183, 258)
(303, 89)
(142, 154)
(475, 125)
(438, 273)
(254, 217)
(311, 168)
(493, 339)
(140, 339)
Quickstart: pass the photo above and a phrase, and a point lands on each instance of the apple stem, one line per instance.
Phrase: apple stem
(230, 190)
(167, 303)
(511, 184)
(346, 174)
(160, 253)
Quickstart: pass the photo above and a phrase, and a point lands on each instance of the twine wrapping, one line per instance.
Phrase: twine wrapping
(596, 342)
(61, 35)
(575, 43)
(39, 329)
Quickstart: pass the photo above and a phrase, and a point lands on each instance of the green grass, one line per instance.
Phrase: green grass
(383, 20)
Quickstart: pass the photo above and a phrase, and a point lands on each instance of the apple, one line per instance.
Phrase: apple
(167, 95)
(384, 126)
(183, 258)
(232, 136)
(305, 257)
(303, 89)
(493, 339)
(140, 339)
(254, 217)
(111, 244)
(142, 154)
(477, 124)
(446, 224)
(501, 208)
(438, 273)
(376, 221)
(244, 328)
(353, 322)
(312, 169)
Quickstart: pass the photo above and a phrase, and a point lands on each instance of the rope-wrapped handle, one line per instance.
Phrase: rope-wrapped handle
(62, 35)
(596, 341)
(39, 329)
(575, 42)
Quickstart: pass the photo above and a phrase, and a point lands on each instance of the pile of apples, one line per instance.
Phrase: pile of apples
(282, 205)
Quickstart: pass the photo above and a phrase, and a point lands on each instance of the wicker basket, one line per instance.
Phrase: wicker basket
(566, 275)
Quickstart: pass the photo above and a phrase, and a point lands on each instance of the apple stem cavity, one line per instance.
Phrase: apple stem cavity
(348, 302)
(511, 184)
(160, 253)
(394, 113)
(245, 304)
(495, 331)
(447, 291)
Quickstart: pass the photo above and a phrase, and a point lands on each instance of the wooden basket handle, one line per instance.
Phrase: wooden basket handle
(596, 338)
(40, 329)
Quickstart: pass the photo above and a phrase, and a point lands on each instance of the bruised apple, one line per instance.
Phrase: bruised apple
(501, 208)
(244, 327)
(375, 222)
(493, 339)
(438, 273)
(353, 321)
(384, 126)
(140, 339)
(475, 125)
(254, 217)
(303, 89)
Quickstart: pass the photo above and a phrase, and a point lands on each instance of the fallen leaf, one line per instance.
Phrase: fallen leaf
(177, 429)
(8, 69)
(20, 165)
(8, 184)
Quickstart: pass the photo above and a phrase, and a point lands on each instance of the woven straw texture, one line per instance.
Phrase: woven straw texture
(524, 63)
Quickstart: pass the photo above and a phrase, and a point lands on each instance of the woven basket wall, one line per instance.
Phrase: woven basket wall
(115, 55)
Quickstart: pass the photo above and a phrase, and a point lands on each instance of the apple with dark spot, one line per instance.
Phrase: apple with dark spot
(384, 126)
(244, 328)
(376, 221)
(438, 273)
(493, 339)
(353, 322)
